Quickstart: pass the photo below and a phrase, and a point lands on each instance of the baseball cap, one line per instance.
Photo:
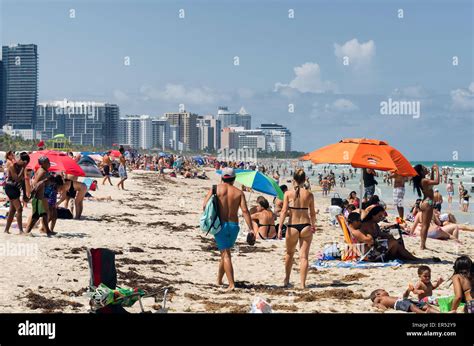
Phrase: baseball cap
(228, 172)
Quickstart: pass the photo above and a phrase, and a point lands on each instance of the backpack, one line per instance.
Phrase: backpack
(210, 221)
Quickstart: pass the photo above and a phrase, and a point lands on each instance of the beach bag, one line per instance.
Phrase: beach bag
(337, 200)
(210, 221)
(64, 213)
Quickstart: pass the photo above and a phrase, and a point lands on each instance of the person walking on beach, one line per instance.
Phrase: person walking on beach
(368, 175)
(398, 192)
(301, 226)
(450, 191)
(107, 168)
(39, 204)
(230, 199)
(122, 168)
(421, 184)
(14, 183)
(460, 192)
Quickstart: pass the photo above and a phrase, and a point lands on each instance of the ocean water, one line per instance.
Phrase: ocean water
(385, 191)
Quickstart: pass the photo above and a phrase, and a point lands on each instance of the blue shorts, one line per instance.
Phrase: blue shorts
(227, 236)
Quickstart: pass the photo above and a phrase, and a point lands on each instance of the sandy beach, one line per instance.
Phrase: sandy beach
(153, 227)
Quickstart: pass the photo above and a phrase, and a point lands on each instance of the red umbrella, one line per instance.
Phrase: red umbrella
(115, 153)
(60, 162)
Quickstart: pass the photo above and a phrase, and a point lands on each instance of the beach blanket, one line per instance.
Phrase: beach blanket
(359, 265)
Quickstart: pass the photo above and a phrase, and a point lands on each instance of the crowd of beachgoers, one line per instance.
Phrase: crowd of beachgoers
(373, 235)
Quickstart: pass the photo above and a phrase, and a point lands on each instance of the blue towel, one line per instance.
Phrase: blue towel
(360, 265)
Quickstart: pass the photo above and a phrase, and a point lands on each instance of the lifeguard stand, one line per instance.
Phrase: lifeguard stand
(59, 143)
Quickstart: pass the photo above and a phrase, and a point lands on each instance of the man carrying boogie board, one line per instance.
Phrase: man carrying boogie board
(224, 201)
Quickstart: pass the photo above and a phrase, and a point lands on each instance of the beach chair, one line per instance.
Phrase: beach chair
(353, 251)
(105, 296)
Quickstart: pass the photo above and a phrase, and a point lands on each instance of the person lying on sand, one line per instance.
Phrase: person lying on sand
(447, 219)
(382, 300)
(435, 231)
(230, 200)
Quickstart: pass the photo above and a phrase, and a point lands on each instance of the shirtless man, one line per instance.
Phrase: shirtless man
(450, 190)
(230, 200)
(398, 192)
(122, 169)
(39, 204)
(107, 167)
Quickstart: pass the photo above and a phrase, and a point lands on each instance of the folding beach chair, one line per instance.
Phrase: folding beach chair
(105, 296)
(353, 251)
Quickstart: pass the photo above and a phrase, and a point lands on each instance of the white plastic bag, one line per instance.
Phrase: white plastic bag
(260, 306)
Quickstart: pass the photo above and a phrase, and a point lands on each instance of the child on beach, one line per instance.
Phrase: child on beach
(424, 288)
(382, 300)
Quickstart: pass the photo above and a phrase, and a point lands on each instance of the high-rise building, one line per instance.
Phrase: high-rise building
(278, 137)
(175, 143)
(137, 131)
(83, 123)
(209, 132)
(188, 132)
(20, 67)
(232, 119)
(160, 134)
(251, 139)
(230, 137)
(3, 93)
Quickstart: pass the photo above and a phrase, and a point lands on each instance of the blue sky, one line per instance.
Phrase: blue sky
(283, 61)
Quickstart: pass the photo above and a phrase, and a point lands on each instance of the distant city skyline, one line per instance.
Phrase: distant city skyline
(320, 68)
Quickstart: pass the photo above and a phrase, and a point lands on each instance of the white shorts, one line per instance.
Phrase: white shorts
(398, 195)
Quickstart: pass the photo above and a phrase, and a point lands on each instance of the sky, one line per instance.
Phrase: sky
(327, 70)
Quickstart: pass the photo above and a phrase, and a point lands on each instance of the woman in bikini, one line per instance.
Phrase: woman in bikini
(298, 205)
(422, 184)
(14, 183)
(463, 281)
(263, 220)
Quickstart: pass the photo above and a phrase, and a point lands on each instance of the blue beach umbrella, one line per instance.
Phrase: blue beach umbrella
(258, 181)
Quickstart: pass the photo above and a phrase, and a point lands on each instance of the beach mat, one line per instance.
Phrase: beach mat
(360, 265)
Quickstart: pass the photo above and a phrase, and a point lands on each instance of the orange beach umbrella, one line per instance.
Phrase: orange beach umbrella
(363, 153)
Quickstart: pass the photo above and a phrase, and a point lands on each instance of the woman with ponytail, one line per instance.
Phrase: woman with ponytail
(298, 205)
(424, 186)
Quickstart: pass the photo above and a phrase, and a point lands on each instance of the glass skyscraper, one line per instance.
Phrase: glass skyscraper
(20, 67)
(84, 123)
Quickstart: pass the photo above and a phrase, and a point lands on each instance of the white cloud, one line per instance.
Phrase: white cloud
(463, 99)
(179, 93)
(307, 79)
(245, 93)
(415, 91)
(360, 54)
(120, 96)
(341, 105)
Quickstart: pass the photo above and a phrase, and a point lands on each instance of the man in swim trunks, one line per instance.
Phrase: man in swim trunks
(39, 203)
(230, 199)
(107, 167)
(398, 192)
(122, 168)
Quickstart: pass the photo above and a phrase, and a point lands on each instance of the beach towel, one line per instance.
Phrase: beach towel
(359, 265)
